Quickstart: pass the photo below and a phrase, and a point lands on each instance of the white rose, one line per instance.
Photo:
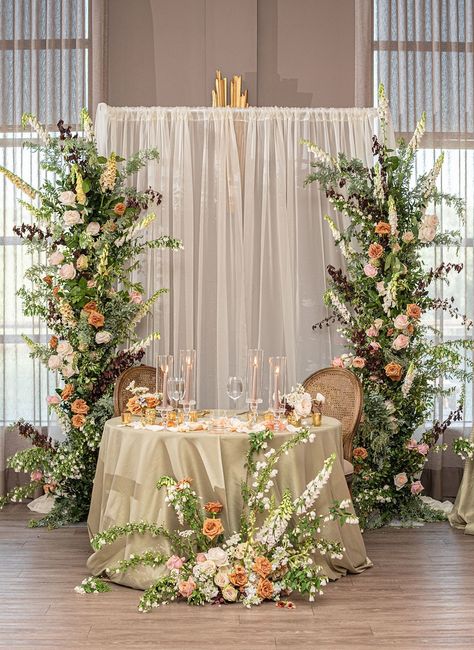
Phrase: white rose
(68, 359)
(67, 371)
(82, 262)
(72, 217)
(426, 234)
(103, 337)
(303, 407)
(206, 568)
(67, 272)
(93, 228)
(230, 593)
(320, 398)
(64, 348)
(221, 579)
(217, 555)
(408, 236)
(378, 322)
(430, 220)
(56, 258)
(54, 362)
(380, 286)
(67, 198)
(239, 552)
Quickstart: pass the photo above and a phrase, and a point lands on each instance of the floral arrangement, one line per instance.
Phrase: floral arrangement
(142, 399)
(86, 233)
(464, 448)
(379, 301)
(271, 556)
(298, 401)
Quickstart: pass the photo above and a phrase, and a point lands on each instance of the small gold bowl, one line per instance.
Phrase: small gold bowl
(317, 419)
(126, 417)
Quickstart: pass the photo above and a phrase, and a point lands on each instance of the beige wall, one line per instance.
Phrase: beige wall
(290, 52)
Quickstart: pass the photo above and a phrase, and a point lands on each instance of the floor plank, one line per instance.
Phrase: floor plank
(420, 593)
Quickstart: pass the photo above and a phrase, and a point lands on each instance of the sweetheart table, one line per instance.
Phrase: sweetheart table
(132, 460)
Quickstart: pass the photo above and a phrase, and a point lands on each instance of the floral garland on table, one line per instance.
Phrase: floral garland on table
(86, 231)
(271, 556)
(379, 301)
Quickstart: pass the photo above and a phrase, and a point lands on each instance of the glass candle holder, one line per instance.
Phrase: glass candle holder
(277, 386)
(187, 369)
(254, 381)
(164, 370)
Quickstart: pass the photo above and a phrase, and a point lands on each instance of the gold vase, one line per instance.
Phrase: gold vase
(294, 420)
(126, 417)
(317, 419)
(148, 416)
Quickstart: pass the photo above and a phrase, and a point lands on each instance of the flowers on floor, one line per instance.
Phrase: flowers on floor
(380, 299)
(272, 555)
(86, 235)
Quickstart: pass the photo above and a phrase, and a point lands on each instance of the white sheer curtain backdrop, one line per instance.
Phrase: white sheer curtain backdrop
(253, 269)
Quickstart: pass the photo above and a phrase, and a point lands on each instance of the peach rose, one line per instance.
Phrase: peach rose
(79, 406)
(119, 209)
(410, 328)
(408, 237)
(186, 587)
(360, 452)
(265, 588)
(67, 391)
(213, 507)
(229, 593)
(133, 406)
(53, 342)
(135, 297)
(375, 251)
(394, 371)
(383, 228)
(78, 420)
(90, 306)
(239, 576)
(96, 319)
(82, 262)
(67, 272)
(211, 528)
(151, 401)
(358, 362)
(413, 311)
(262, 566)
(400, 480)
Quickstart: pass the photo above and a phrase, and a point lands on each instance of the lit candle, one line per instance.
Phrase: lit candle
(164, 383)
(187, 382)
(254, 380)
(276, 389)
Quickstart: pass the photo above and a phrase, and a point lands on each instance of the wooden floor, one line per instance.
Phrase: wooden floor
(419, 594)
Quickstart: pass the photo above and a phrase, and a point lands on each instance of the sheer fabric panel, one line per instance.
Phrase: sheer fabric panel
(252, 272)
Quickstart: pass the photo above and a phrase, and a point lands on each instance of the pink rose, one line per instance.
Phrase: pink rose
(358, 362)
(52, 399)
(375, 345)
(400, 480)
(412, 444)
(67, 272)
(372, 331)
(408, 237)
(37, 475)
(423, 448)
(400, 342)
(337, 362)
(175, 562)
(72, 217)
(186, 587)
(135, 297)
(200, 558)
(90, 284)
(401, 322)
(370, 271)
(54, 362)
(416, 487)
(56, 258)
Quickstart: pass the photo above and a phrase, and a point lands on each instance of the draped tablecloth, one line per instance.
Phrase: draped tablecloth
(462, 515)
(132, 460)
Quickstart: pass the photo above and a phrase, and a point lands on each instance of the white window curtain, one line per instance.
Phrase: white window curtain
(423, 52)
(47, 51)
(256, 247)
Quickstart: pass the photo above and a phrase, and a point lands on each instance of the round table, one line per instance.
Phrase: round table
(132, 460)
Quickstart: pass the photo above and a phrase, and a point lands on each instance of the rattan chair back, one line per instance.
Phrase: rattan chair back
(344, 400)
(143, 376)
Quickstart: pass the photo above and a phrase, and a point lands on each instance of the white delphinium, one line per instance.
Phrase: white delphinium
(418, 133)
(276, 523)
(382, 107)
(339, 306)
(31, 120)
(313, 489)
(408, 381)
(319, 154)
(430, 181)
(378, 186)
(346, 249)
(392, 215)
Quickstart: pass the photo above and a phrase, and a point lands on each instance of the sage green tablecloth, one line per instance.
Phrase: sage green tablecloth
(131, 461)
(462, 515)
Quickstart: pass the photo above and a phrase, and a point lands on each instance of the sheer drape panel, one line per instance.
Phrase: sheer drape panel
(252, 272)
(45, 69)
(423, 52)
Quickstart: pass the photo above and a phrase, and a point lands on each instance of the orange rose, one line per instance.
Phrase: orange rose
(360, 452)
(383, 228)
(133, 406)
(262, 566)
(109, 226)
(55, 291)
(213, 507)
(413, 311)
(78, 420)
(375, 251)
(183, 481)
(238, 577)
(96, 319)
(211, 528)
(90, 306)
(67, 391)
(394, 371)
(119, 209)
(151, 402)
(53, 342)
(390, 331)
(48, 279)
(410, 328)
(265, 588)
(79, 406)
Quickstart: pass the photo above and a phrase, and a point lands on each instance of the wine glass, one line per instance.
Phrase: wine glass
(235, 388)
(175, 387)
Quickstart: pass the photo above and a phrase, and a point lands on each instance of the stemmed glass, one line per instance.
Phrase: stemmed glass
(235, 388)
(175, 388)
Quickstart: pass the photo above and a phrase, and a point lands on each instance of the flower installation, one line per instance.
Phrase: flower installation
(379, 300)
(87, 235)
(271, 556)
